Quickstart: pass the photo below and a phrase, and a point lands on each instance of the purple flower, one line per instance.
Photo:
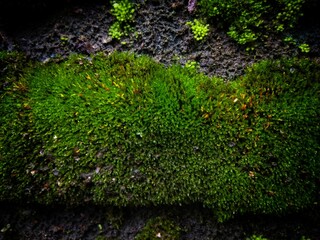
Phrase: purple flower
(192, 5)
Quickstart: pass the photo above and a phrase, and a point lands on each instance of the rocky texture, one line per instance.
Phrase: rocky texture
(160, 31)
(89, 222)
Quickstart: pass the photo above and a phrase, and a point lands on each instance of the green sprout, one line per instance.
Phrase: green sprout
(115, 31)
(123, 11)
(255, 237)
(199, 29)
(305, 48)
(192, 65)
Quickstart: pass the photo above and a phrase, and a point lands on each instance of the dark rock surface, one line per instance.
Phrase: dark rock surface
(57, 29)
(160, 31)
(91, 222)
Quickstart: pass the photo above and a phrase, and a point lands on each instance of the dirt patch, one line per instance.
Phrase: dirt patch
(195, 222)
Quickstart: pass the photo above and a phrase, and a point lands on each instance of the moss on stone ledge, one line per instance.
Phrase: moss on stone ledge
(126, 131)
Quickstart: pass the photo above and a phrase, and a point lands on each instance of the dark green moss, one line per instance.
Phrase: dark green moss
(12, 66)
(124, 130)
(15, 132)
(251, 21)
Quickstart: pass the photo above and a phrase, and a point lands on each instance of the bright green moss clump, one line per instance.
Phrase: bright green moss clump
(124, 130)
(251, 20)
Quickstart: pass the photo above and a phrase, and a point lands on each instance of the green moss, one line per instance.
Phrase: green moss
(199, 29)
(255, 237)
(123, 11)
(12, 66)
(15, 134)
(159, 228)
(249, 21)
(124, 130)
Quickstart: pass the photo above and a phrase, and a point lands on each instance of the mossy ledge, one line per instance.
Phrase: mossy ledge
(123, 130)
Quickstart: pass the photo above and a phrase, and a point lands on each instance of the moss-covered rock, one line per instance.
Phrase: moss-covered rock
(124, 130)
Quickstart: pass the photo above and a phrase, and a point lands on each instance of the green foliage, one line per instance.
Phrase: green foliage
(159, 228)
(255, 237)
(192, 65)
(251, 20)
(245, 37)
(15, 140)
(304, 238)
(199, 29)
(124, 130)
(289, 13)
(123, 11)
(115, 31)
(304, 48)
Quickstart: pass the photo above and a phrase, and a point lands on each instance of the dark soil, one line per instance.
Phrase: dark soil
(160, 31)
(91, 222)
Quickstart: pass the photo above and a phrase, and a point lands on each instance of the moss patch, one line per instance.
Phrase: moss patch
(124, 130)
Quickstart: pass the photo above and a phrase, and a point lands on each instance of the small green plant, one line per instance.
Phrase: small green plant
(305, 238)
(252, 20)
(115, 31)
(289, 40)
(199, 29)
(305, 48)
(123, 11)
(244, 37)
(192, 65)
(64, 39)
(288, 13)
(255, 237)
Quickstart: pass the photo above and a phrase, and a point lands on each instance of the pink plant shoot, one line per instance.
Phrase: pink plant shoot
(192, 5)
